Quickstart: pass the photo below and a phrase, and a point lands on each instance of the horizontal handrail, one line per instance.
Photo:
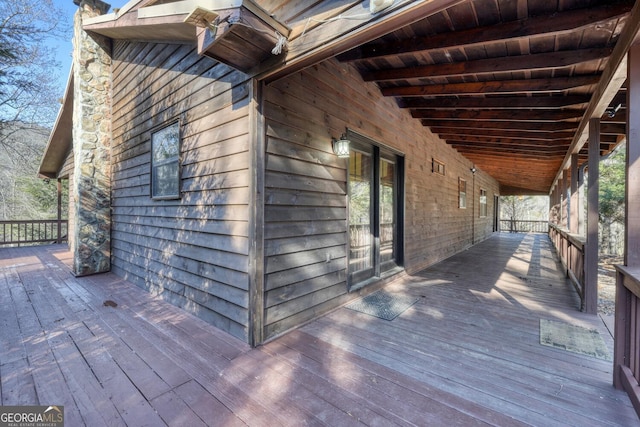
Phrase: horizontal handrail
(524, 226)
(32, 231)
(570, 250)
(626, 351)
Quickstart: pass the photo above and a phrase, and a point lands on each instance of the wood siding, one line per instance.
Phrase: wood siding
(192, 251)
(305, 190)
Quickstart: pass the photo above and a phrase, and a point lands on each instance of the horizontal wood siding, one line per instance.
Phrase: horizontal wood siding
(193, 251)
(305, 190)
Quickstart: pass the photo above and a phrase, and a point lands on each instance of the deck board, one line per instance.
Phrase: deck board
(466, 354)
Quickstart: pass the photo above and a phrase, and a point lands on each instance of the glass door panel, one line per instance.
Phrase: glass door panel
(387, 214)
(360, 215)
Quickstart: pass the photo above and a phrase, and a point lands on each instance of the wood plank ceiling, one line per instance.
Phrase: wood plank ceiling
(504, 82)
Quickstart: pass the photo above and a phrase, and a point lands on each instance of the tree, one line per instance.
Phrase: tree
(523, 208)
(28, 93)
(22, 194)
(611, 198)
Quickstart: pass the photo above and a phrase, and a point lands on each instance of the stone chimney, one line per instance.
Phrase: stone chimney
(91, 237)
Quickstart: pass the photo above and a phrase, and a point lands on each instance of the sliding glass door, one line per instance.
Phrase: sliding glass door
(375, 183)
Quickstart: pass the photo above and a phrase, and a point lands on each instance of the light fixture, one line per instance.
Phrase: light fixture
(376, 6)
(341, 147)
(203, 18)
(612, 111)
(473, 170)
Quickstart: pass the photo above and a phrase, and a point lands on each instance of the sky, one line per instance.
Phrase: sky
(63, 48)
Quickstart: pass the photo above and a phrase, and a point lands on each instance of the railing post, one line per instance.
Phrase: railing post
(591, 248)
(59, 188)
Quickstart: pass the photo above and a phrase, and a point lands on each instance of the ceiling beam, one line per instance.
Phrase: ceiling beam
(507, 103)
(550, 85)
(524, 135)
(613, 78)
(507, 145)
(515, 125)
(554, 24)
(613, 128)
(519, 115)
(347, 30)
(507, 64)
(499, 140)
(532, 154)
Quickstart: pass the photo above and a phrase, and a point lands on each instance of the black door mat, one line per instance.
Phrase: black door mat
(573, 338)
(384, 305)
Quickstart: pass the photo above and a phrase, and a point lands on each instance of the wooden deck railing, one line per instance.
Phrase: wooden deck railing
(524, 226)
(33, 231)
(626, 351)
(570, 249)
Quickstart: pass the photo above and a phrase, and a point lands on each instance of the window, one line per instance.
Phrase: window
(375, 209)
(483, 203)
(165, 162)
(462, 193)
(437, 166)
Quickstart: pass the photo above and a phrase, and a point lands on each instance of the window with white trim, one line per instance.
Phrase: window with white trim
(462, 193)
(165, 162)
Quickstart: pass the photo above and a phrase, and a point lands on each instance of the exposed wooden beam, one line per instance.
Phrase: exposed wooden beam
(507, 103)
(535, 168)
(534, 62)
(557, 23)
(509, 148)
(508, 141)
(613, 128)
(551, 85)
(339, 35)
(520, 115)
(487, 133)
(613, 78)
(515, 125)
(508, 153)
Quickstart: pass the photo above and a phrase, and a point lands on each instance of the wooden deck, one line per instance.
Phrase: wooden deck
(467, 353)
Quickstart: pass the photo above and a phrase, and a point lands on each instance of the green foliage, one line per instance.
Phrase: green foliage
(611, 202)
(612, 187)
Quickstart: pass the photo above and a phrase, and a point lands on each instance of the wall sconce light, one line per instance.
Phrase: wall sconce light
(341, 147)
(612, 111)
(203, 18)
(473, 170)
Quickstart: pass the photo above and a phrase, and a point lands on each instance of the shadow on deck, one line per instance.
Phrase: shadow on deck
(467, 353)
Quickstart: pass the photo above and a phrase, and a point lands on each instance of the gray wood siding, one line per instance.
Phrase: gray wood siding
(193, 251)
(305, 190)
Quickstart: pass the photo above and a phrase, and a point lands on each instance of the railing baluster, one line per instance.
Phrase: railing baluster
(31, 231)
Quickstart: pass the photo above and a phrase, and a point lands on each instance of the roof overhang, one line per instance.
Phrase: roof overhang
(143, 20)
(60, 139)
(613, 78)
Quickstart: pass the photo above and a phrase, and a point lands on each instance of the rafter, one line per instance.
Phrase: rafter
(533, 154)
(506, 139)
(613, 128)
(515, 125)
(520, 115)
(510, 144)
(551, 85)
(535, 62)
(554, 24)
(507, 103)
(529, 136)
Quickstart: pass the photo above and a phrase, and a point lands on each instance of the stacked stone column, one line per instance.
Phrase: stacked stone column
(91, 241)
